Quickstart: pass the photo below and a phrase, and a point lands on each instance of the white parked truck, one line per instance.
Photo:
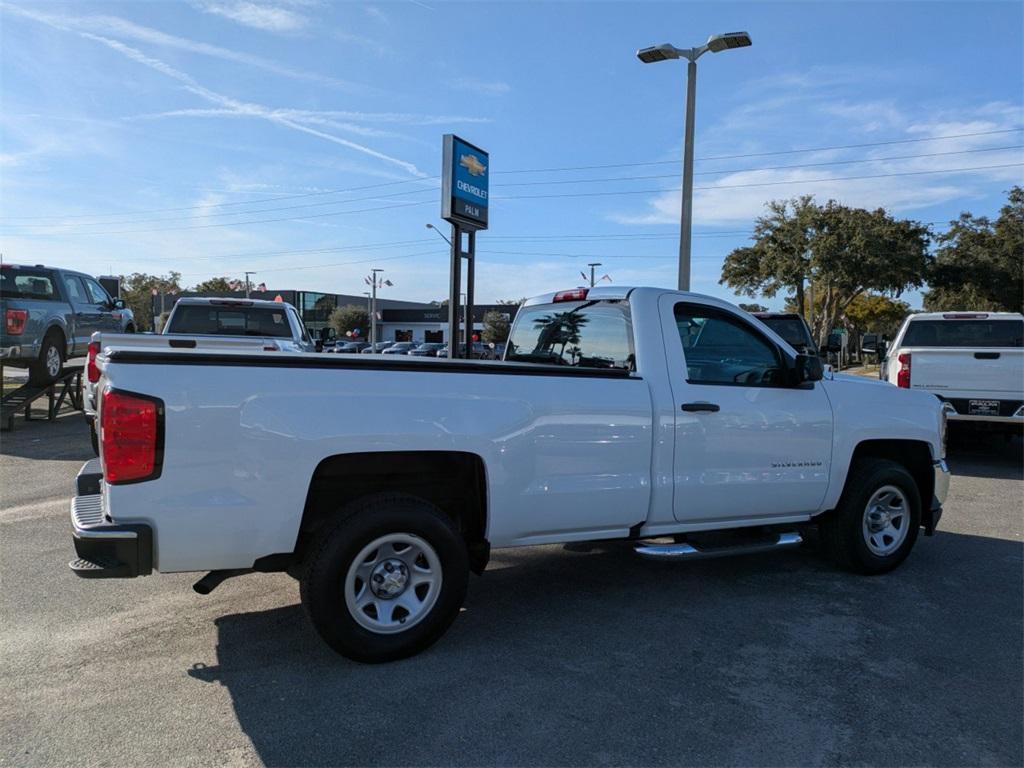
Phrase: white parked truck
(671, 421)
(972, 361)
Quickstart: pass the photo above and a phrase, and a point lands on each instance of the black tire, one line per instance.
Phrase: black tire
(338, 545)
(44, 370)
(843, 534)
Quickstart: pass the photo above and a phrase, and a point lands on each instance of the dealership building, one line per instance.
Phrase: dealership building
(396, 320)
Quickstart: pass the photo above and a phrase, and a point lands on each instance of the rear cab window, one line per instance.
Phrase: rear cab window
(206, 320)
(33, 283)
(964, 333)
(582, 334)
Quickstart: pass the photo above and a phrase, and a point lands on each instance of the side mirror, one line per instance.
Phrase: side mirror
(118, 304)
(808, 368)
(318, 345)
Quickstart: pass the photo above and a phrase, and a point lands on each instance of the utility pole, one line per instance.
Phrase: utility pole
(374, 282)
(368, 310)
(248, 285)
(592, 266)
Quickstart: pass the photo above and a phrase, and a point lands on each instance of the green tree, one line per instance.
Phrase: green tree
(221, 285)
(753, 307)
(874, 313)
(855, 251)
(137, 292)
(349, 318)
(838, 251)
(496, 327)
(778, 260)
(980, 265)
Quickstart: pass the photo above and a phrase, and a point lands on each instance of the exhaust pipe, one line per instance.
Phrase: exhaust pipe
(212, 580)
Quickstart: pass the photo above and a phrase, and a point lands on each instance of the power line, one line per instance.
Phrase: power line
(767, 183)
(280, 198)
(768, 154)
(335, 264)
(557, 195)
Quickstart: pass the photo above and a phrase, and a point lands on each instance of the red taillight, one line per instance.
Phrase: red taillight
(91, 369)
(965, 316)
(903, 376)
(16, 319)
(131, 437)
(576, 294)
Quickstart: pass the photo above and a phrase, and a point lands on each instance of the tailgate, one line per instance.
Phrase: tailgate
(995, 373)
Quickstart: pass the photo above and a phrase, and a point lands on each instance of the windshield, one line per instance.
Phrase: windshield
(204, 320)
(964, 333)
(27, 284)
(582, 334)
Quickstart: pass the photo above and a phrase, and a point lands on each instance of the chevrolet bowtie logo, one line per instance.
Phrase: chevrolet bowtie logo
(471, 164)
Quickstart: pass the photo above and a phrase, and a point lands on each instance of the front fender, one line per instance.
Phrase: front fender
(870, 410)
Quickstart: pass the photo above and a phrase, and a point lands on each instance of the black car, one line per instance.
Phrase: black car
(350, 347)
(428, 349)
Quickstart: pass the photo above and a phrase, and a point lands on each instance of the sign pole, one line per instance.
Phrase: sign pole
(470, 261)
(453, 293)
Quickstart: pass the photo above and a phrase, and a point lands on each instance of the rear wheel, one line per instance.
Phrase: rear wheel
(876, 523)
(387, 579)
(50, 363)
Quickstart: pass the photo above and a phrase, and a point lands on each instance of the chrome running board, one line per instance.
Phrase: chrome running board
(686, 551)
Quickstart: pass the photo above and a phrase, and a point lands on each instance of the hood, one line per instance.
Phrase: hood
(855, 379)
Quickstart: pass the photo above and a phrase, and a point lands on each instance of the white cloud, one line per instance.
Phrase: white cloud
(240, 108)
(374, 12)
(925, 172)
(475, 85)
(262, 16)
(113, 26)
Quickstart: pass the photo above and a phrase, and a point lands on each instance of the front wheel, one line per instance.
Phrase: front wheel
(876, 523)
(387, 579)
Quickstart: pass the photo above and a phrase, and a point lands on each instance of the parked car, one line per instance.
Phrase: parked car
(972, 361)
(427, 349)
(49, 315)
(349, 347)
(479, 351)
(400, 348)
(794, 330)
(278, 323)
(380, 346)
(672, 422)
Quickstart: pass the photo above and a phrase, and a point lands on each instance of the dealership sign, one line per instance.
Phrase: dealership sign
(464, 193)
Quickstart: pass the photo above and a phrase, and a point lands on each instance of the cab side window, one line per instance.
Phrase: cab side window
(97, 295)
(721, 349)
(76, 293)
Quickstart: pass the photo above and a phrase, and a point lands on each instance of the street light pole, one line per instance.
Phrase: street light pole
(367, 294)
(592, 266)
(664, 52)
(373, 309)
(247, 283)
(686, 206)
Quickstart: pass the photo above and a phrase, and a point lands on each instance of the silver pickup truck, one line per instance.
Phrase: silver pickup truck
(49, 316)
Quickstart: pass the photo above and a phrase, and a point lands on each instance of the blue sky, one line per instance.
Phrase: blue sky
(301, 139)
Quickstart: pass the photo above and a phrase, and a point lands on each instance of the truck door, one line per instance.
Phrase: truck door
(109, 320)
(85, 318)
(747, 444)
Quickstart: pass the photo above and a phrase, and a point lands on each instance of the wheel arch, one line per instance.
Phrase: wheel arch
(453, 481)
(914, 455)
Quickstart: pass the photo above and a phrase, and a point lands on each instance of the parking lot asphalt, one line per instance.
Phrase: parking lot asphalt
(559, 658)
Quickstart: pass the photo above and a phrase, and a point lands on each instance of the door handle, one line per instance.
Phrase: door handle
(986, 355)
(697, 407)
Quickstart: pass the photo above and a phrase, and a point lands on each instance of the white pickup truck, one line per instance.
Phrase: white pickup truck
(972, 361)
(671, 421)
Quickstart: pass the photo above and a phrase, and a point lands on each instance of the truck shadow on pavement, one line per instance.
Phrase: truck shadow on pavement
(64, 438)
(982, 454)
(575, 658)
